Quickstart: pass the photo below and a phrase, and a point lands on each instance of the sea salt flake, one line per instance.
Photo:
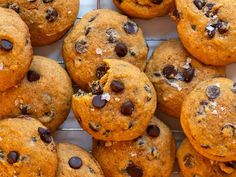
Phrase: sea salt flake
(214, 112)
(99, 51)
(1, 66)
(106, 96)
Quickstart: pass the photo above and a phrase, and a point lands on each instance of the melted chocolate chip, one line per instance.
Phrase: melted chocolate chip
(121, 49)
(101, 71)
(98, 102)
(127, 108)
(188, 160)
(134, 171)
(81, 46)
(169, 71)
(199, 3)
(131, 27)
(211, 31)
(117, 86)
(96, 88)
(24, 109)
(223, 26)
(12, 157)
(45, 135)
(51, 14)
(47, 1)
(75, 162)
(188, 74)
(6, 45)
(212, 92)
(153, 131)
(14, 7)
(32, 76)
(157, 1)
(112, 35)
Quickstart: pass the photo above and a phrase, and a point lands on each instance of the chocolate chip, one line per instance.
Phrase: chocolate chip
(51, 14)
(153, 131)
(98, 102)
(6, 45)
(176, 14)
(32, 0)
(131, 27)
(94, 126)
(45, 135)
(24, 109)
(32, 76)
(208, 10)
(199, 3)
(223, 26)
(112, 35)
(101, 71)
(157, 74)
(93, 18)
(193, 27)
(188, 161)
(75, 162)
(211, 31)
(117, 86)
(169, 71)
(34, 139)
(233, 89)
(12, 157)
(127, 108)
(134, 171)
(228, 130)
(188, 74)
(81, 46)
(87, 30)
(96, 88)
(47, 1)
(212, 91)
(14, 7)
(121, 49)
(157, 1)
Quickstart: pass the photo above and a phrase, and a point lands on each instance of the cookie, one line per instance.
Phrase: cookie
(75, 161)
(192, 164)
(152, 154)
(102, 34)
(45, 94)
(145, 9)
(208, 119)
(207, 29)
(120, 105)
(15, 49)
(174, 73)
(26, 149)
(48, 20)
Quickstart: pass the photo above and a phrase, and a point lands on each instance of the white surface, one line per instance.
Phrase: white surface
(155, 30)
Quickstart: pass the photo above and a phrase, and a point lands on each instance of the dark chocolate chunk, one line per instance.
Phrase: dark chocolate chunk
(211, 31)
(222, 26)
(169, 71)
(6, 45)
(127, 108)
(153, 131)
(117, 86)
(134, 171)
(199, 3)
(75, 162)
(12, 157)
(96, 88)
(32, 76)
(131, 27)
(188, 74)
(101, 71)
(45, 135)
(121, 49)
(98, 102)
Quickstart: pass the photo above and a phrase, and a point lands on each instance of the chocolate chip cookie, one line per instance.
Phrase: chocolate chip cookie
(15, 49)
(145, 9)
(48, 20)
(207, 29)
(75, 161)
(208, 119)
(120, 104)
(174, 73)
(45, 94)
(102, 34)
(26, 149)
(152, 154)
(192, 164)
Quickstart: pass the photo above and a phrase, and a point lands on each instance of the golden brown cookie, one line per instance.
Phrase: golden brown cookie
(15, 49)
(120, 105)
(48, 20)
(26, 149)
(208, 119)
(174, 73)
(102, 34)
(145, 9)
(150, 155)
(45, 94)
(207, 29)
(192, 164)
(76, 162)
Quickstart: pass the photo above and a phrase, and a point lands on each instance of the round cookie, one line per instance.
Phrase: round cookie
(45, 94)
(26, 149)
(193, 164)
(102, 34)
(152, 154)
(207, 29)
(120, 105)
(15, 49)
(208, 119)
(174, 73)
(75, 161)
(48, 20)
(145, 9)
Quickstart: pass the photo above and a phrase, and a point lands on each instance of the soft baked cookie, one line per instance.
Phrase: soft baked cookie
(174, 73)
(45, 94)
(76, 162)
(102, 34)
(145, 9)
(207, 29)
(26, 149)
(48, 20)
(150, 155)
(120, 105)
(15, 49)
(208, 119)
(193, 164)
